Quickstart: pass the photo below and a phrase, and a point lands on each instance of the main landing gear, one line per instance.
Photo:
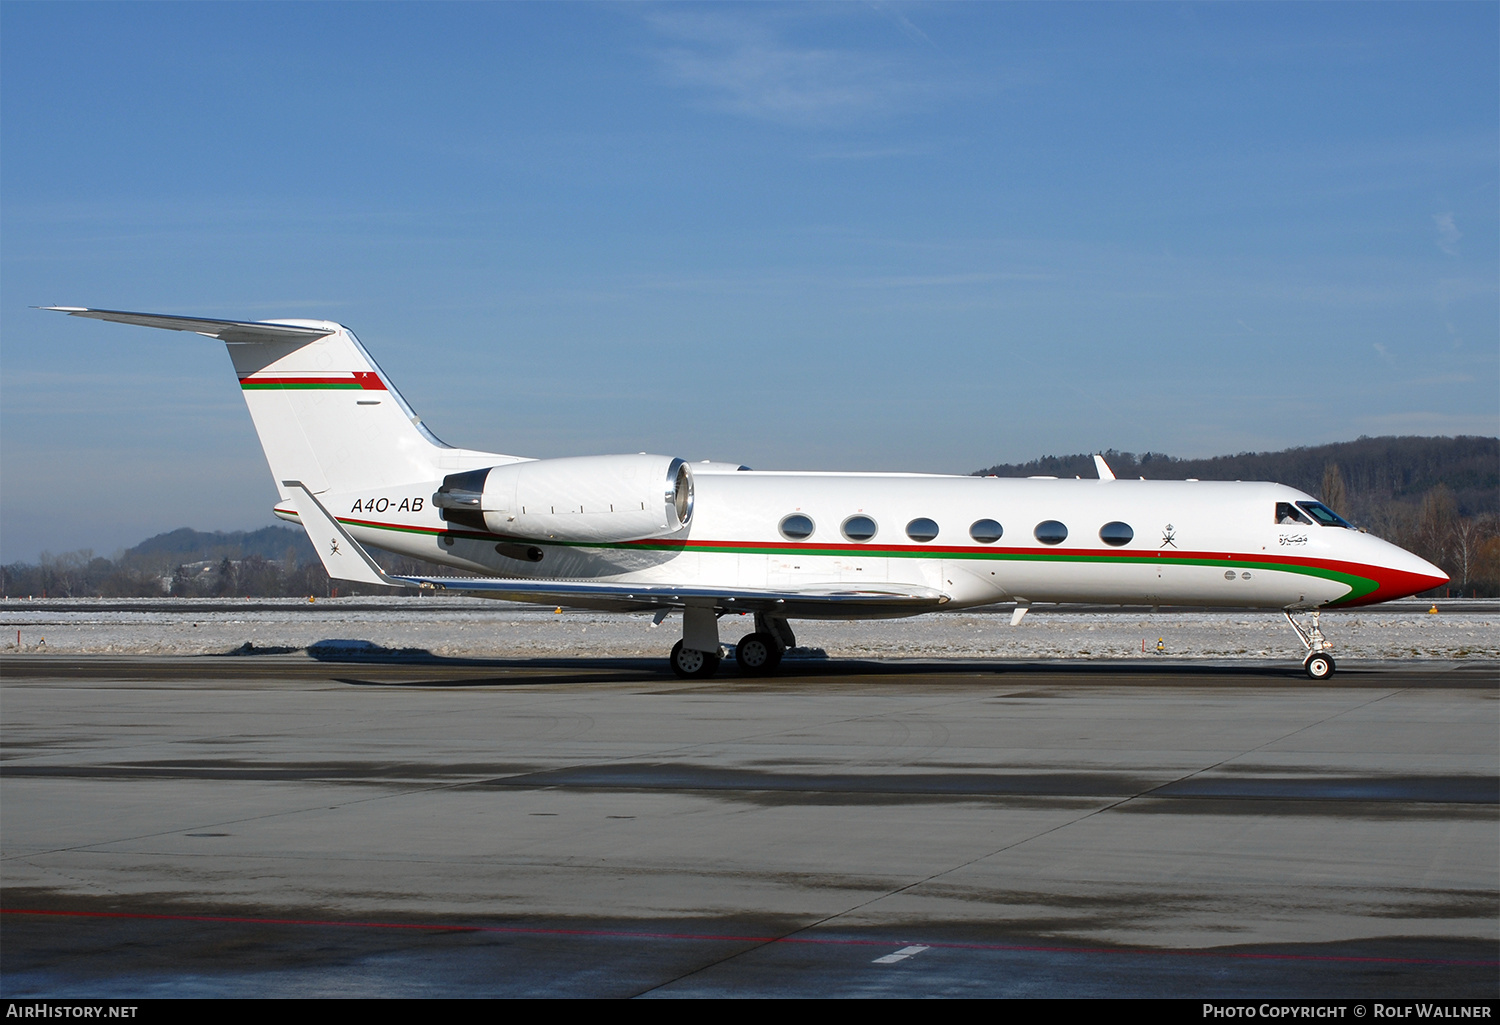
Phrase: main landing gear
(690, 663)
(1319, 664)
(697, 655)
(758, 654)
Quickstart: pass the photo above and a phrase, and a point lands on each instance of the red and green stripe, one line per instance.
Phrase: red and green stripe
(1367, 584)
(359, 381)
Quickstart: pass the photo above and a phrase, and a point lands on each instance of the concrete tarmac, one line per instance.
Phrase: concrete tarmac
(278, 826)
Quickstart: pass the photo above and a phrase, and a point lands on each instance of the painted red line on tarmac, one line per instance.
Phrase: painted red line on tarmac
(725, 938)
(235, 920)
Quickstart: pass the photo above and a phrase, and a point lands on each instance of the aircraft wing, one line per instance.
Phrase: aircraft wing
(829, 601)
(226, 330)
(345, 559)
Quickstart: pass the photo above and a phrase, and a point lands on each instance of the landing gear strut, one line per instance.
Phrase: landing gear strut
(696, 656)
(1319, 664)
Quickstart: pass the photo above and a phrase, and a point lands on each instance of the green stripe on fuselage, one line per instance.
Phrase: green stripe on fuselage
(1359, 586)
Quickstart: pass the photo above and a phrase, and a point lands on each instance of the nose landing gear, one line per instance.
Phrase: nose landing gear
(1318, 665)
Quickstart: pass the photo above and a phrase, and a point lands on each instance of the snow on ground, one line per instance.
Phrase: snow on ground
(459, 627)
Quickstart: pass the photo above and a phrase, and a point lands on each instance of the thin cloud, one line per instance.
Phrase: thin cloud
(1444, 379)
(971, 278)
(748, 69)
(1448, 233)
(905, 25)
(873, 154)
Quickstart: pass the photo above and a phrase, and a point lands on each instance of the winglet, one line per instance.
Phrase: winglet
(1105, 473)
(342, 556)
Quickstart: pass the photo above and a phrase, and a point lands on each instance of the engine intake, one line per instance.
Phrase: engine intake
(584, 498)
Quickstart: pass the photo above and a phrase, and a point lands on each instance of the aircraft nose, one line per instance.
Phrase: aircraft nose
(1435, 577)
(1394, 573)
(1420, 567)
(1410, 574)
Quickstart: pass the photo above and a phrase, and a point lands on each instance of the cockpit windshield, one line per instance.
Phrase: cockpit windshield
(1326, 516)
(1287, 513)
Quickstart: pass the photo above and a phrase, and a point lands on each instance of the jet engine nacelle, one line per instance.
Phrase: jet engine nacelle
(583, 498)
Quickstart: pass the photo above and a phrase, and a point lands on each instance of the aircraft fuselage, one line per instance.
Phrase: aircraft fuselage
(1211, 543)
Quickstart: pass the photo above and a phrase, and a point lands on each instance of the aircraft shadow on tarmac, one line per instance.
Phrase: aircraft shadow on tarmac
(530, 672)
(815, 664)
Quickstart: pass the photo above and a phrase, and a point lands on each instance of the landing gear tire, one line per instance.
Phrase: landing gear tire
(691, 664)
(1318, 666)
(758, 654)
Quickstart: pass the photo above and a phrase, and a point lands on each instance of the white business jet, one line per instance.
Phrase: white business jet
(647, 533)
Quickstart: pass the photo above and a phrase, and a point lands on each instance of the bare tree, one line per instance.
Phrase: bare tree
(227, 578)
(1335, 495)
(1466, 537)
(1434, 534)
(1486, 572)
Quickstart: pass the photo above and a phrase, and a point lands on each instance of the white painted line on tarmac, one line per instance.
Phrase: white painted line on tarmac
(900, 955)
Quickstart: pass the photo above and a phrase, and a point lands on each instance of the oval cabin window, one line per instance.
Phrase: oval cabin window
(922, 529)
(1116, 533)
(797, 527)
(859, 528)
(986, 532)
(1051, 532)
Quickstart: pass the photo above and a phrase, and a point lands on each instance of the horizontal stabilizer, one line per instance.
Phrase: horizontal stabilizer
(225, 330)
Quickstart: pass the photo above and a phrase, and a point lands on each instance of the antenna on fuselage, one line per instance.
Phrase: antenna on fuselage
(1105, 473)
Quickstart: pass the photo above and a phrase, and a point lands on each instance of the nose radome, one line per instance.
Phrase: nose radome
(1418, 566)
(1398, 573)
(1420, 575)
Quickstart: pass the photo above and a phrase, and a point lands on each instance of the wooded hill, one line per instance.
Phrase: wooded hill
(1376, 471)
(186, 563)
(275, 544)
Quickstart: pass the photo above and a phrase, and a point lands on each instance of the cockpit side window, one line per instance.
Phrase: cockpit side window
(1287, 513)
(1326, 516)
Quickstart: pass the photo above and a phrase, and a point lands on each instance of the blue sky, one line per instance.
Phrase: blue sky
(850, 236)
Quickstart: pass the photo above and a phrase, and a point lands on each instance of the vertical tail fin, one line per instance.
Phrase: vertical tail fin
(328, 416)
(325, 413)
